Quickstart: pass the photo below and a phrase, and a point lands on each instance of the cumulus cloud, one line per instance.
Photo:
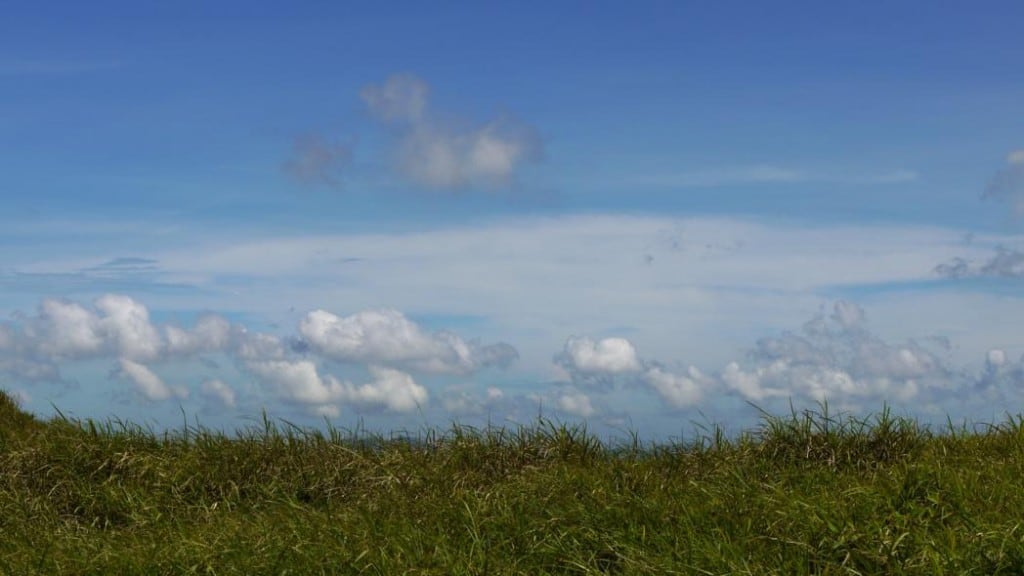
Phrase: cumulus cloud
(601, 362)
(1001, 376)
(608, 356)
(391, 389)
(832, 357)
(1007, 186)
(116, 326)
(448, 155)
(837, 358)
(211, 333)
(316, 160)
(125, 322)
(300, 381)
(120, 325)
(65, 330)
(388, 337)
(151, 386)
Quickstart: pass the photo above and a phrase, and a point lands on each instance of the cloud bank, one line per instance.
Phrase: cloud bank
(832, 358)
(389, 346)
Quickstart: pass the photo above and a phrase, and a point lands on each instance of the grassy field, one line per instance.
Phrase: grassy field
(807, 493)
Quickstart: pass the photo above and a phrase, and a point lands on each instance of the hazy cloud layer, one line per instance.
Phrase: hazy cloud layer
(448, 154)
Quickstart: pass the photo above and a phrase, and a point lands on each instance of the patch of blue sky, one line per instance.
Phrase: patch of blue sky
(997, 287)
(136, 132)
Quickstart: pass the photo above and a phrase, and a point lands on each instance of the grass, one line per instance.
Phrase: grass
(808, 493)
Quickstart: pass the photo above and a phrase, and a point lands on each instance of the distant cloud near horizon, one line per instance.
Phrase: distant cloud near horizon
(118, 328)
(832, 358)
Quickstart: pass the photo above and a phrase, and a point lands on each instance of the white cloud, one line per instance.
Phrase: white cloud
(582, 274)
(589, 362)
(391, 389)
(257, 346)
(388, 337)
(576, 403)
(1007, 186)
(836, 358)
(300, 381)
(149, 384)
(119, 325)
(607, 356)
(1002, 378)
(220, 391)
(126, 323)
(716, 285)
(445, 154)
(211, 333)
(679, 391)
(402, 98)
(66, 330)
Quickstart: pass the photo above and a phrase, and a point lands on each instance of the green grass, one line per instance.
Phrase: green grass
(808, 493)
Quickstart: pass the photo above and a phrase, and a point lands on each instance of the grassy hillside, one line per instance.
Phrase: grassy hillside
(804, 494)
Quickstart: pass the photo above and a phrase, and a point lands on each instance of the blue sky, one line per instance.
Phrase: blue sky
(404, 215)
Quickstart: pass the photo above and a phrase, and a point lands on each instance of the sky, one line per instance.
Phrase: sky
(645, 217)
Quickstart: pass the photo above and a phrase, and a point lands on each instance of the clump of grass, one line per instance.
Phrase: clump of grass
(840, 441)
(807, 493)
